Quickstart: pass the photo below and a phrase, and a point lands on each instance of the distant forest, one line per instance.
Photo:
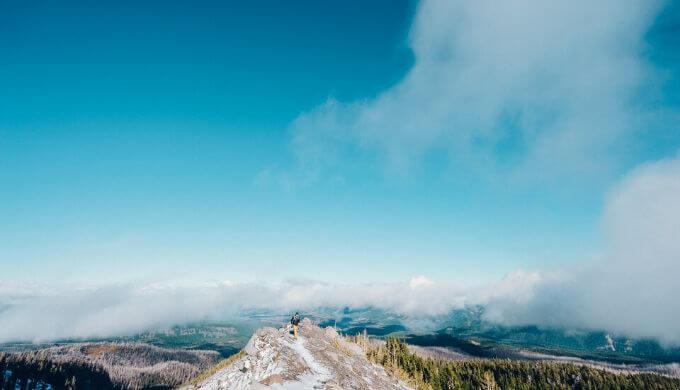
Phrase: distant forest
(491, 374)
(30, 371)
(102, 366)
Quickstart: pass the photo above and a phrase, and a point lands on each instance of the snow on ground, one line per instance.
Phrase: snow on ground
(319, 359)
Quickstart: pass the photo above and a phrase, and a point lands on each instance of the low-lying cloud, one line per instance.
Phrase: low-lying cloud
(59, 312)
(631, 290)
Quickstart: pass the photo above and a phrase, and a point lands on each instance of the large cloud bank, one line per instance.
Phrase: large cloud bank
(56, 312)
(507, 86)
(42, 313)
(633, 289)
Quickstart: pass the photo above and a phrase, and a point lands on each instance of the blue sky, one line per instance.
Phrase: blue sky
(269, 140)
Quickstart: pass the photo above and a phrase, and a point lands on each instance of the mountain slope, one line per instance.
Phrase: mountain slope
(319, 359)
(103, 366)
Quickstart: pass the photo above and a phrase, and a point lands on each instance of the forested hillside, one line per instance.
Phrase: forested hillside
(436, 374)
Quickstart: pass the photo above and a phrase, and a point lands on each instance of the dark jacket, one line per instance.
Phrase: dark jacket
(295, 320)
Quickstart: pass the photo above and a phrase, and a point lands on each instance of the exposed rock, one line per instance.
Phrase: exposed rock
(331, 332)
(318, 359)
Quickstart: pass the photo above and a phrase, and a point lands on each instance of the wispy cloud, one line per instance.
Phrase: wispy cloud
(505, 87)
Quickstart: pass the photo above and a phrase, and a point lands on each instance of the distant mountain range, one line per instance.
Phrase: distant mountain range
(466, 328)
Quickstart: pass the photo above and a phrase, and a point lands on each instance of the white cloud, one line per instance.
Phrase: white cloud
(420, 282)
(633, 289)
(556, 80)
(55, 312)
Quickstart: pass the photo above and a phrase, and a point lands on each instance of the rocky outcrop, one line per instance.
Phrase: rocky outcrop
(318, 359)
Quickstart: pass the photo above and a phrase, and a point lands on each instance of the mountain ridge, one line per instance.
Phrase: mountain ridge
(318, 359)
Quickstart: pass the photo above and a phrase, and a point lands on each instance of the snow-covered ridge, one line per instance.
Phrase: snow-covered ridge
(319, 359)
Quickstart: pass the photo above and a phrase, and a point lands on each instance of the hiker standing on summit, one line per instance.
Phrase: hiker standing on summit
(295, 321)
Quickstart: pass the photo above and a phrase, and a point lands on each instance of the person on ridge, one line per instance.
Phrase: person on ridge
(295, 321)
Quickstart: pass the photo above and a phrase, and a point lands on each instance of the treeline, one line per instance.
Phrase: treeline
(30, 371)
(435, 374)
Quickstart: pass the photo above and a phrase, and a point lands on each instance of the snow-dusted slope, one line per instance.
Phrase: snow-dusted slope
(319, 359)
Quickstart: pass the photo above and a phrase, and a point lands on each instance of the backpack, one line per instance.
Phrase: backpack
(295, 320)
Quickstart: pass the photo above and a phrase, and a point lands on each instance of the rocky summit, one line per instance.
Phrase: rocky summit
(318, 359)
